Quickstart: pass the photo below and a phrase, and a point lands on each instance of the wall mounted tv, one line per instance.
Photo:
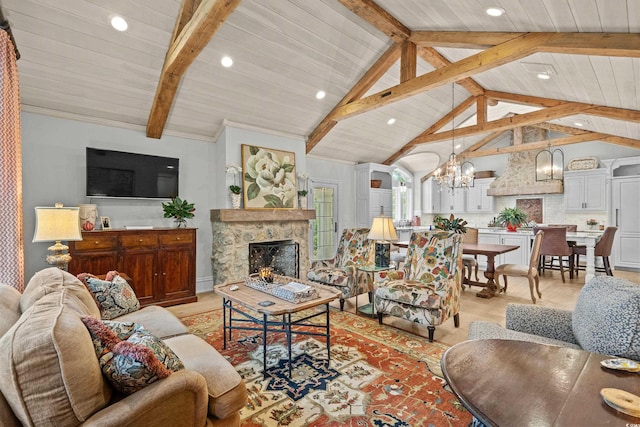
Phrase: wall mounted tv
(120, 174)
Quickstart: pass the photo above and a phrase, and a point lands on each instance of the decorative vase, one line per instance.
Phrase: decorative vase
(181, 223)
(511, 227)
(88, 216)
(236, 199)
(303, 202)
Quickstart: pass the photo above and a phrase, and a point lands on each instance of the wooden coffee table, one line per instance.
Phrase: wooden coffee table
(517, 383)
(245, 302)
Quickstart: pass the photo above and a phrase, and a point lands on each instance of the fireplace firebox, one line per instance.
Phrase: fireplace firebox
(281, 255)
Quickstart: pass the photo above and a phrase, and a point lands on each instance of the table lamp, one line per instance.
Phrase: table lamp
(382, 231)
(54, 224)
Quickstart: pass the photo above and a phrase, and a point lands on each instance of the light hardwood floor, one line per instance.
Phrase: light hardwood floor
(554, 294)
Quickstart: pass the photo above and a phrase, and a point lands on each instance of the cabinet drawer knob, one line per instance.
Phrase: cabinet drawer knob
(164, 274)
(140, 240)
(97, 242)
(177, 238)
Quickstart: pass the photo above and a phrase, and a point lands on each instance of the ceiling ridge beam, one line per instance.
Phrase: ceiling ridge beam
(509, 51)
(507, 123)
(444, 120)
(373, 74)
(600, 44)
(184, 48)
(597, 110)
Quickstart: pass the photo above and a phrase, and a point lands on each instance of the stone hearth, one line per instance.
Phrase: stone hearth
(234, 229)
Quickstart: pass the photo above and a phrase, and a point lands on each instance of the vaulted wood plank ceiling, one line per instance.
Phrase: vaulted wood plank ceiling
(375, 60)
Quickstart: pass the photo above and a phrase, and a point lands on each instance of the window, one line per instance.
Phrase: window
(402, 195)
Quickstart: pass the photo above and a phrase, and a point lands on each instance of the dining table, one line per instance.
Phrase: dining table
(490, 250)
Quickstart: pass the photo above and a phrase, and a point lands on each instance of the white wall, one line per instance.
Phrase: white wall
(53, 158)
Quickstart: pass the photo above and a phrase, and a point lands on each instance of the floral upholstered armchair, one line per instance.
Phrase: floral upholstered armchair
(340, 271)
(427, 290)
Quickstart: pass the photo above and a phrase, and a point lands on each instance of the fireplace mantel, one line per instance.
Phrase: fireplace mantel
(261, 215)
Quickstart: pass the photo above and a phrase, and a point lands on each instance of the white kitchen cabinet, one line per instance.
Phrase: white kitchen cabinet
(477, 198)
(452, 201)
(626, 216)
(585, 191)
(371, 202)
(431, 197)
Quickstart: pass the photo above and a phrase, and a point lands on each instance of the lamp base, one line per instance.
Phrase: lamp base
(58, 258)
(383, 254)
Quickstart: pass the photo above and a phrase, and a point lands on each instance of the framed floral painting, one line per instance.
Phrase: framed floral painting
(269, 178)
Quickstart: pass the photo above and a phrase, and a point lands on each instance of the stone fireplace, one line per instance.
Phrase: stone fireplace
(234, 229)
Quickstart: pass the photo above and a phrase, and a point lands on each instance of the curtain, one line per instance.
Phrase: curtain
(11, 233)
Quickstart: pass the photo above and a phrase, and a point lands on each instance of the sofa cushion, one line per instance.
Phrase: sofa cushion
(9, 307)
(606, 318)
(227, 391)
(130, 357)
(51, 280)
(50, 373)
(157, 320)
(114, 297)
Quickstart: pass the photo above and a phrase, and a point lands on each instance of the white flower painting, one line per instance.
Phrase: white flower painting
(269, 178)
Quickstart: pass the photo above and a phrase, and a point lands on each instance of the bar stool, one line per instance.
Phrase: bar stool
(602, 249)
(554, 244)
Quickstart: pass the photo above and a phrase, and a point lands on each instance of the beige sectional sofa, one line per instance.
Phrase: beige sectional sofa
(50, 375)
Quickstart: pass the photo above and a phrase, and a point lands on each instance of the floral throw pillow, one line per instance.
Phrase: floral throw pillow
(132, 363)
(114, 296)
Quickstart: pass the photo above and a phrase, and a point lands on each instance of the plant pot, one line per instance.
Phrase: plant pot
(236, 200)
(512, 227)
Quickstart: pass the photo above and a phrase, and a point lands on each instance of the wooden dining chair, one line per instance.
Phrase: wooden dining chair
(529, 271)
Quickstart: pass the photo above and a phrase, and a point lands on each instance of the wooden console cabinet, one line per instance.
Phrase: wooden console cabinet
(161, 262)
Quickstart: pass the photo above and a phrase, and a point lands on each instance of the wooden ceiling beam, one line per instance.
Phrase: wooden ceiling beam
(371, 12)
(597, 110)
(408, 61)
(373, 74)
(599, 44)
(188, 40)
(507, 123)
(516, 48)
(446, 119)
(613, 139)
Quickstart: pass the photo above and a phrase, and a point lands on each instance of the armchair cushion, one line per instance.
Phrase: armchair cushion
(333, 275)
(606, 318)
(411, 292)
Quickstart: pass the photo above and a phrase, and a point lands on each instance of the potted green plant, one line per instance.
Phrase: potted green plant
(180, 210)
(512, 218)
(457, 225)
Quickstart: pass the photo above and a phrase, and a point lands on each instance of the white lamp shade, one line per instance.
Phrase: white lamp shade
(56, 224)
(382, 229)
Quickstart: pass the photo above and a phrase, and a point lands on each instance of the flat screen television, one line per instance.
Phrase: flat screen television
(121, 174)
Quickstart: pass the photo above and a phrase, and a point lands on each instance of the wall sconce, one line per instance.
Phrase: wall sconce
(382, 231)
(54, 224)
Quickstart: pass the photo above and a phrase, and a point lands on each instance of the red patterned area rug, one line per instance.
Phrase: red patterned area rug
(378, 376)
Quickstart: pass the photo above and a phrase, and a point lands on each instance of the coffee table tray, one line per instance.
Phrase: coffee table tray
(283, 288)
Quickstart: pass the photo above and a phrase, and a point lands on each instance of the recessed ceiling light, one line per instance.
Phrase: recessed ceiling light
(495, 11)
(226, 61)
(391, 121)
(579, 124)
(119, 23)
(458, 146)
(321, 94)
(544, 76)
